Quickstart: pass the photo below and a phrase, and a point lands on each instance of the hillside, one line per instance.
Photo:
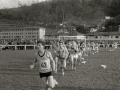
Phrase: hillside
(75, 11)
(51, 13)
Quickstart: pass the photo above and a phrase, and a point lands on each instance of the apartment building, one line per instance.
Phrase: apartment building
(22, 33)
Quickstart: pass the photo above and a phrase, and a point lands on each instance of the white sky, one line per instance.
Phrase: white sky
(14, 3)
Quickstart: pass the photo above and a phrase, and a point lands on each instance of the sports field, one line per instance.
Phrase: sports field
(15, 73)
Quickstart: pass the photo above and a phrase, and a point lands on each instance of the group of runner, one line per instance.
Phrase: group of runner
(114, 46)
(66, 53)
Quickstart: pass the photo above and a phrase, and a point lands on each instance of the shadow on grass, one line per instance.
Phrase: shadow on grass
(70, 88)
(79, 88)
(18, 71)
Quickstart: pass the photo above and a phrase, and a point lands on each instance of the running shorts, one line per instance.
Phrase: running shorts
(47, 74)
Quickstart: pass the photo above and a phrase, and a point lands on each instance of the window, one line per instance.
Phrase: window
(116, 36)
(96, 36)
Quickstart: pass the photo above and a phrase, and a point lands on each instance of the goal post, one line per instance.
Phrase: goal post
(77, 38)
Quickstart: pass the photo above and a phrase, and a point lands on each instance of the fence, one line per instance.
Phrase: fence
(21, 47)
(26, 47)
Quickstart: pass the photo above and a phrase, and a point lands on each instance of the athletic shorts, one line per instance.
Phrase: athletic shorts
(47, 74)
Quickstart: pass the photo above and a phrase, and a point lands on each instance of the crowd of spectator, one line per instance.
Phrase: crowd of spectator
(48, 43)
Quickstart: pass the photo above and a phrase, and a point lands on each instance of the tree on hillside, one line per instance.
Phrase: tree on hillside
(114, 8)
(82, 29)
(75, 11)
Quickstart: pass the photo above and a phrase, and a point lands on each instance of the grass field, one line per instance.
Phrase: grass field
(15, 73)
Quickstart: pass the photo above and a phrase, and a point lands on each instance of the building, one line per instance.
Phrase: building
(35, 33)
(104, 36)
(62, 34)
(55, 34)
(22, 33)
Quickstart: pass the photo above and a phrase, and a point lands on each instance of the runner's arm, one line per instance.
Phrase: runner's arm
(52, 61)
(34, 63)
(65, 48)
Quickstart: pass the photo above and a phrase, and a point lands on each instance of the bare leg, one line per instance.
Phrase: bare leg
(45, 82)
(79, 59)
(56, 63)
(52, 82)
(72, 63)
(63, 66)
(75, 63)
(64, 63)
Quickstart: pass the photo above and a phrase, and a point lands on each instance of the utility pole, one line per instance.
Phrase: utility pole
(63, 17)
(63, 14)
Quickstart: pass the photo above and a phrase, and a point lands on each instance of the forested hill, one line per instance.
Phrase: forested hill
(52, 12)
(75, 12)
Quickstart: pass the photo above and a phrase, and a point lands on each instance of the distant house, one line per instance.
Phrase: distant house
(104, 36)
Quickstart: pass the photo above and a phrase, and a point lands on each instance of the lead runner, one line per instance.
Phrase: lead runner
(46, 65)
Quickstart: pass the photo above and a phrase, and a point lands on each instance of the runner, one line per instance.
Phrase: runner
(83, 48)
(115, 45)
(96, 47)
(106, 46)
(93, 47)
(46, 65)
(61, 56)
(75, 55)
(88, 48)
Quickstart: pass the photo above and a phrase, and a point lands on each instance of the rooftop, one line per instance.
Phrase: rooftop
(57, 32)
(102, 33)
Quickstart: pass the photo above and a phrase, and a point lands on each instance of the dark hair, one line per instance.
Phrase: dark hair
(41, 41)
(61, 42)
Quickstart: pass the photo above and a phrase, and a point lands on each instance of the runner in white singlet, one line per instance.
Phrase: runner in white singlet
(46, 65)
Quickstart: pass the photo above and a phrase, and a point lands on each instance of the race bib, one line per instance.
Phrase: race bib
(44, 65)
